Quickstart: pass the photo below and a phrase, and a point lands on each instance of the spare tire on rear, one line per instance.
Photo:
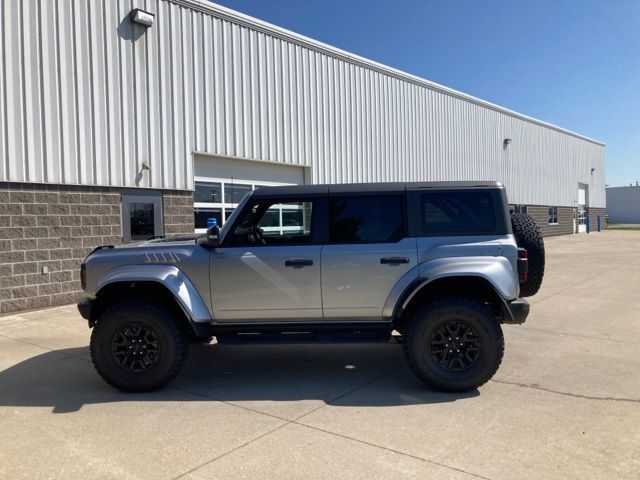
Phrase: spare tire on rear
(528, 236)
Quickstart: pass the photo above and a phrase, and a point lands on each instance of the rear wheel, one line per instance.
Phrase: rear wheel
(454, 344)
(137, 346)
(529, 237)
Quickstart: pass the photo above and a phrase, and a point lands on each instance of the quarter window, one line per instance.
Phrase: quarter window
(366, 219)
(553, 215)
(458, 213)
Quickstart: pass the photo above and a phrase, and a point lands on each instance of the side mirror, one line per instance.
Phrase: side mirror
(211, 239)
(213, 236)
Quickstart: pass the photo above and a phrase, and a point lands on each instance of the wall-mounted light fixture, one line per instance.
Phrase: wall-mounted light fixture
(142, 17)
(145, 166)
(506, 143)
(593, 169)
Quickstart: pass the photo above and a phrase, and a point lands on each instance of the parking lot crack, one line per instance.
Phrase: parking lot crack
(535, 386)
(392, 450)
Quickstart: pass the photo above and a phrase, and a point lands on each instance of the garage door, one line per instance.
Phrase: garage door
(221, 183)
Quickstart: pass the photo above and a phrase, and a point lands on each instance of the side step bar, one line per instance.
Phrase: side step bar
(269, 338)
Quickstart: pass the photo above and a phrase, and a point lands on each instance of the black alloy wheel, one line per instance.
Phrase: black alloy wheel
(454, 346)
(135, 347)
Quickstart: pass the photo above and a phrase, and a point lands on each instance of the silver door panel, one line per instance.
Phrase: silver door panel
(355, 284)
(253, 283)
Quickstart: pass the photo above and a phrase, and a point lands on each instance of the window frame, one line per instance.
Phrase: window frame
(403, 215)
(226, 207)
(500, 211)
(318, 228)
(141, 196)
(521, 208)
(553, 215)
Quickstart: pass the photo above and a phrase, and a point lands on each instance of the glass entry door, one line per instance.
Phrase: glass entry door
(141, 215)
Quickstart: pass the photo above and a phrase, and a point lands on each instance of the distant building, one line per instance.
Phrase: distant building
(623, 204)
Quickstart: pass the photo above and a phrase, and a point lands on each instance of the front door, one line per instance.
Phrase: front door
(366, 255)
(268, 267)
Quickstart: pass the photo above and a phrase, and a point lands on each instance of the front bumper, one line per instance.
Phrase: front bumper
(517, 311)
(84, 307)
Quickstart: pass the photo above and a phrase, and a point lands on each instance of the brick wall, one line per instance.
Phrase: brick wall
(45, 233)
(47, 230)
(565, 220)
(593, 217)
(177, 207)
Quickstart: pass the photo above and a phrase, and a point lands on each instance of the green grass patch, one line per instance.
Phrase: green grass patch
(621, 227)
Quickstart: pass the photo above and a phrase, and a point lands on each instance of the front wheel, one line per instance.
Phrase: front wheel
(137, 346)
(454, 344)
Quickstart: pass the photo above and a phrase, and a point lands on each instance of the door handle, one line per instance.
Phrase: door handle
(394, 260)
(298, 262)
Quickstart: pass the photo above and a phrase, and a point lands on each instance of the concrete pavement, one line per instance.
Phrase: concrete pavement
(564, 404)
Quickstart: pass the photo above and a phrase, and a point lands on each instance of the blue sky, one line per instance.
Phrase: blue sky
(575, 64)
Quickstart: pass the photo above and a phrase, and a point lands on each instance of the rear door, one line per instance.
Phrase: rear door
(366, 254)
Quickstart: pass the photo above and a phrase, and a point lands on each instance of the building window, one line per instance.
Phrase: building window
(141, 215)
(521, 209)
(553, 215)
(218, 197)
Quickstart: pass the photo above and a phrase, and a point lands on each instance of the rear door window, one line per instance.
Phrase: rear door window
(366, 219)
(458, 213)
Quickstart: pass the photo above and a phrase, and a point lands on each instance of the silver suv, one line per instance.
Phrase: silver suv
(441, 264)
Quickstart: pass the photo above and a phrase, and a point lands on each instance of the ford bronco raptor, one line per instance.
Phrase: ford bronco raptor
(442, 264)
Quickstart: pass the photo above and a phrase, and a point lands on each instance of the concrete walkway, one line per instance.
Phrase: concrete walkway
(564, 404)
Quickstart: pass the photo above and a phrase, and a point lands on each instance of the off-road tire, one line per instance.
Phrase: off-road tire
(528, 236)
(425, 322)
(172, 343)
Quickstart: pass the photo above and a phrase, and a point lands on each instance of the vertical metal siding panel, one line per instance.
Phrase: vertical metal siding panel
(188, 135)
(153, 89)
(66, 73)
(82, 75)
(100, 95)
(263, 96)
(235, 90)
(197, 76)
(4, 153)
(300, 140)
(32, 89)
(219, 124)
(113, 101)
(179, 116)
(246, 93)
(165, 99)
(208, 84)
(126, 111)
(14, 107)
(50, 93)
(256, 100)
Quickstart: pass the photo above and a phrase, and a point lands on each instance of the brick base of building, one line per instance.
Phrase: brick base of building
(565, 224)
(47, 230)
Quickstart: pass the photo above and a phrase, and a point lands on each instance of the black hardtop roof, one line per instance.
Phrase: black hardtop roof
(369, 187)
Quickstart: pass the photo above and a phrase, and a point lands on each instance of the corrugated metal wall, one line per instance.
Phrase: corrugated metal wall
(87, 97)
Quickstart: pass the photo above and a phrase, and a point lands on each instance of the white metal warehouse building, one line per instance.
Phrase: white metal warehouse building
(103, 120)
